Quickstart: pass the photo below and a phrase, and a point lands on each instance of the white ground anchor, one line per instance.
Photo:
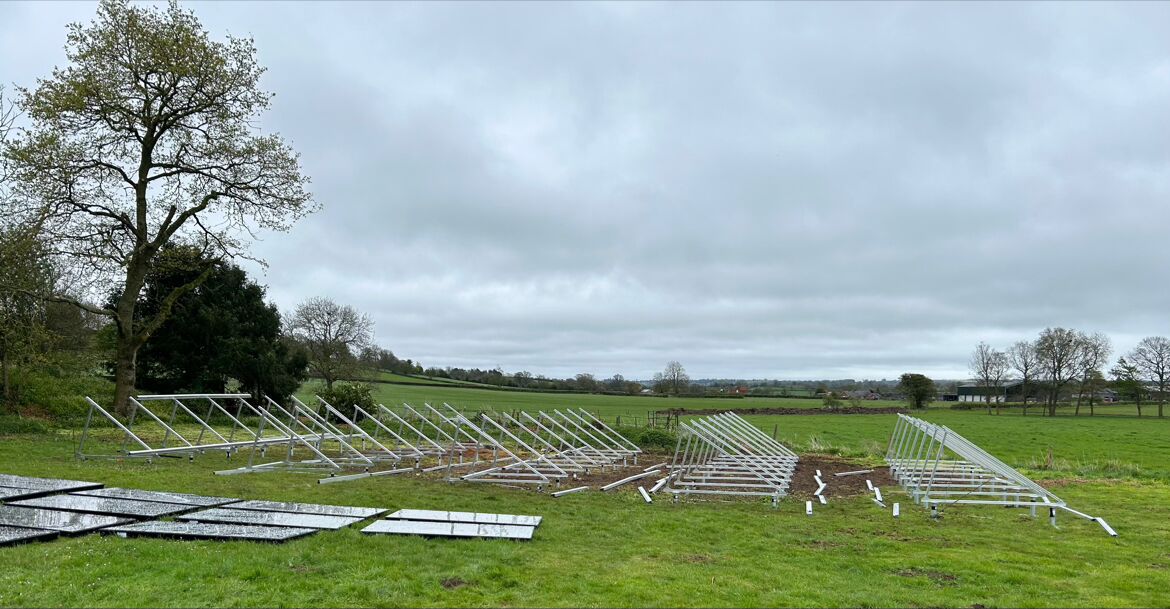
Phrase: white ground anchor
(938, 467)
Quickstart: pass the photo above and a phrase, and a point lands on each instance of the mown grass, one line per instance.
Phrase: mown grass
(1098, 446)
(598, 549)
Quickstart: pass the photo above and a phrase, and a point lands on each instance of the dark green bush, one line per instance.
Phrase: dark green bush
(650, 438)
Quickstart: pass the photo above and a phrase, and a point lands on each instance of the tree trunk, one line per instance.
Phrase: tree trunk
(125, 356)
(128, 341)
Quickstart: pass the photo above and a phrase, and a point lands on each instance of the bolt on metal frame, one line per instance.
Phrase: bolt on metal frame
(723, 454)
(938, 467)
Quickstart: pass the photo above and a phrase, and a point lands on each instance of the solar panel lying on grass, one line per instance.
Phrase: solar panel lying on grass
(278, 519)
(71, 523)
(449, 529)
(469, 517)
(158, 496)
(8, 493)
(46, 484)
(105, 505)
(203, 530)
(14, 535)
(308, 508)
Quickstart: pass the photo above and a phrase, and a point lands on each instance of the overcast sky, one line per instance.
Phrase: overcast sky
(755, 190)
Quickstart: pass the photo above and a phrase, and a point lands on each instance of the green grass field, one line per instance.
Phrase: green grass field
(611, 549)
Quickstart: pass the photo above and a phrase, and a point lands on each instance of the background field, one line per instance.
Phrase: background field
(598, 549)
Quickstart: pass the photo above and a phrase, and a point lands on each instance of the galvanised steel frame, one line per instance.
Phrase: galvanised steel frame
(939, 467)
(516, 448)
(254, 428)
(725, 455)
(546, 449)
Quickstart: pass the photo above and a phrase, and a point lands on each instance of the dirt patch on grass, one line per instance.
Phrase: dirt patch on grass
(697, 559)
(794, 411)
(597, 478)
(804, 482)
(1063, 482)
(818, 544)
(938, 577)
(451, 583)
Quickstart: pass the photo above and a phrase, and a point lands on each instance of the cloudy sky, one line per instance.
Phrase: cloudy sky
(756, 190)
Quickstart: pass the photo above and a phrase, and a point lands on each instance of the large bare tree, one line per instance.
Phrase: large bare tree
(1151, 356)
(1059, 351)
(147, 137)
(990, 367)
(1024, 361)
(333, 334)
(1095, 354)
(673, 378)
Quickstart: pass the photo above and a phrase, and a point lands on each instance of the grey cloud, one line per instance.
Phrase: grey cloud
(793, 190)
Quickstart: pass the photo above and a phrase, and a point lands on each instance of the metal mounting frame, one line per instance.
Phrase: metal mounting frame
(723, 454)
(938, 467)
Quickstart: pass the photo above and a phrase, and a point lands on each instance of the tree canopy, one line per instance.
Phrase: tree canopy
(219, 331)
(918, 389)
(147, 137)
(334, 336)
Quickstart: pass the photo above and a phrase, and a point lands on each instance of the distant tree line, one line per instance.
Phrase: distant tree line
(1066, 366)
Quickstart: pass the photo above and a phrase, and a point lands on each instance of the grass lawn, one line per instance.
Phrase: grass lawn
(611, 549)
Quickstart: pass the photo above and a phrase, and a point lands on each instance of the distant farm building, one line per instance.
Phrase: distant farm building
(1008, 391)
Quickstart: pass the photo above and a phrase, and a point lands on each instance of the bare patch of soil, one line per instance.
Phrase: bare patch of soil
(938, 577)
(598, 478)
(819, 544)
(451, 583)
(804, 482)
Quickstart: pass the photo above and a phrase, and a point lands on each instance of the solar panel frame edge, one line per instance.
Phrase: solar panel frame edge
(458, 530)
(256, 505)
(176, 509)
(125, 531)
(33, 535)
(77, 485)
(66, 532)
(96, 492)
(28, 493)
(475, 517)
(194, 516)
